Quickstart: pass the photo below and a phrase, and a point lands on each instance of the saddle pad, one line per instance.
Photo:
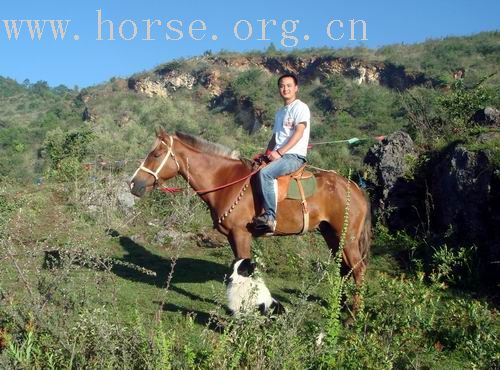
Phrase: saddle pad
(309, 186)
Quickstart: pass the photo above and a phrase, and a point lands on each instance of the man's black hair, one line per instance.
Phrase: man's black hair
(288, 75)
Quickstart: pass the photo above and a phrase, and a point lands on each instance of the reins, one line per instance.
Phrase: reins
(171, 154)
(204, 191)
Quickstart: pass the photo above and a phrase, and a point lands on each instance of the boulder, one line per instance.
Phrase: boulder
(388, 159)
(466, 194)
(465, 189)
(107, 193)
(394, 194)
(460, 189)
(456, 195)
(487, 117)
(125, 200)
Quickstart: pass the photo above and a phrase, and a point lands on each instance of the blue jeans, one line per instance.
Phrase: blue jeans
(285, 165)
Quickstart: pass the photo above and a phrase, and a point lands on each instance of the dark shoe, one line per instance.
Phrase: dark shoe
(264, 223)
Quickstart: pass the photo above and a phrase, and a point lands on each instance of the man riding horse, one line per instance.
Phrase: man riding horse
(286, 150)
(225, 184)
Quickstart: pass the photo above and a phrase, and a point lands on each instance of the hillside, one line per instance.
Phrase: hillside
(92, 277)
(231, 98)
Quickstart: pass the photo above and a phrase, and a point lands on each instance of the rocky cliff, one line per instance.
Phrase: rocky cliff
(167, 79)
(456, 196)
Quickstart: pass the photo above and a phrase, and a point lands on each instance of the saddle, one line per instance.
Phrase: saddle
(291, 186)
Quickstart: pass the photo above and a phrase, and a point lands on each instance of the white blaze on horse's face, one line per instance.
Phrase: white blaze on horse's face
(138, 183)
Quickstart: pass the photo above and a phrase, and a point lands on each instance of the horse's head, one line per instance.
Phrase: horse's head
(159, 165)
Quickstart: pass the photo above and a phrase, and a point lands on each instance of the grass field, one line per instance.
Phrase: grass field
(121, 293)
(87, 284)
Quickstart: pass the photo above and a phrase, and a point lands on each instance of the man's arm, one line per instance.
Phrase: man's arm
(272, 144)
(294, 139)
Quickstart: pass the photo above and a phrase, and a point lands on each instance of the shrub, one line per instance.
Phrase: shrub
(256, 88)
(66, 151)
(462, 102)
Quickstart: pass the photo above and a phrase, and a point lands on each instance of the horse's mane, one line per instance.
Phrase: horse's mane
(206, 146)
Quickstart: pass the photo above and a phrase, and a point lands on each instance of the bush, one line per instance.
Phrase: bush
(411, 325)
(260, 90)
(66, 151)
(462, 102)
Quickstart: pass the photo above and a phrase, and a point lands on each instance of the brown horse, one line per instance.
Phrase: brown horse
(222, 180)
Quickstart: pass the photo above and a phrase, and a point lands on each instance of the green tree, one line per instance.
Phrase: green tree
(66, 151)
(463, 102)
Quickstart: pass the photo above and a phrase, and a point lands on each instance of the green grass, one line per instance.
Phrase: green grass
(101, 293)
(117, 297)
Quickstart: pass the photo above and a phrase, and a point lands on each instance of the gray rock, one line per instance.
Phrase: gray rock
(124, 199)
(456, 193)
(465, 190)
(488, 117)
(461, 190)
(393, 195)
(488, 137)
(389, 161)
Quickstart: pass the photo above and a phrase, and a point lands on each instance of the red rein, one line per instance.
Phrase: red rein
(176, 190)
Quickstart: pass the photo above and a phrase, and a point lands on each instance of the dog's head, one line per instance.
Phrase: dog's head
(241, 269)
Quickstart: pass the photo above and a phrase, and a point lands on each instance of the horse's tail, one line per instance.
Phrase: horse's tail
(366, 234)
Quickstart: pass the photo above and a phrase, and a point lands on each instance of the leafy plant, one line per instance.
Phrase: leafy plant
(452, 266)
(462, 102)
(66, 151)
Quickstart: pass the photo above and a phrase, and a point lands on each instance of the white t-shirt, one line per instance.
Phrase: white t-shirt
(285, 120)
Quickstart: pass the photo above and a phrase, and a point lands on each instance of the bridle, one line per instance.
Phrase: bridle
(170, 153)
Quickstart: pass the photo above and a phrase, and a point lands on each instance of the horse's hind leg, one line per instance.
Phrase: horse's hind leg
(352, 258)
(330, 236)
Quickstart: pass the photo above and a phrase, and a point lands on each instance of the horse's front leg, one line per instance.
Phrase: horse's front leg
(240, 241)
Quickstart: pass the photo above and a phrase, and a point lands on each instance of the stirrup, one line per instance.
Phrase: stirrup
(265, 227)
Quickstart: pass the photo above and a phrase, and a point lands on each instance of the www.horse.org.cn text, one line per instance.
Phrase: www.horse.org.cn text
(286, 32)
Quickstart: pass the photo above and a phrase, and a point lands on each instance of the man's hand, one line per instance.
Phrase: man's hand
(261, 158)
(274, 155)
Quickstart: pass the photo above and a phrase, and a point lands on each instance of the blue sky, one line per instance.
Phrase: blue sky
(89, 61)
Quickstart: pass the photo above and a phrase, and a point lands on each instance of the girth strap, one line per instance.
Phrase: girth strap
(305, 210)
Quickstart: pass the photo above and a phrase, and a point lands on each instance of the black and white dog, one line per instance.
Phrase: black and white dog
(247, 292)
